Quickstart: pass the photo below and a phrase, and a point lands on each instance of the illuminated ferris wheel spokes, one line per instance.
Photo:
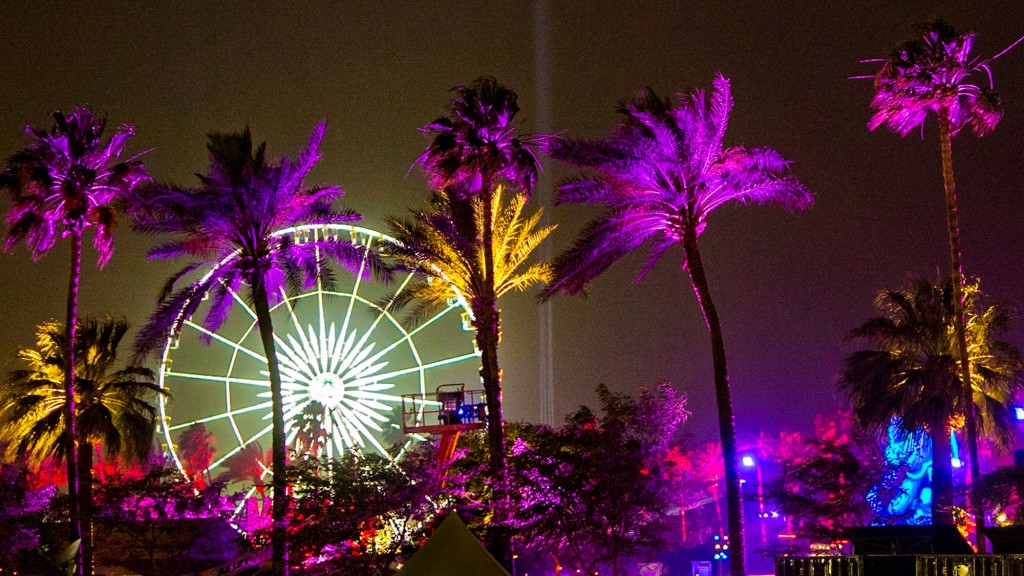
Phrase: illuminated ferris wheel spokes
(345, 362)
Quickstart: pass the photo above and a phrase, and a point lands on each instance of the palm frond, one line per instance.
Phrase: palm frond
(447, 253)
(66, 180)
(932, 74)
(112, 405)
(477, 143)
(910, 370)
(232, 221)
(664, 168)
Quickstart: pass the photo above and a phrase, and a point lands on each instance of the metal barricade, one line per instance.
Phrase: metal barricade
(819, 566)
(961, 565)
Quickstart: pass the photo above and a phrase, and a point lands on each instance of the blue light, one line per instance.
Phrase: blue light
(748, 461)
(1019, 413)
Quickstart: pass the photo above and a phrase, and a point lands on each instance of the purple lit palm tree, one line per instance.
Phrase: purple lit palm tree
(228, 223)
(660, 174)
(63, 182)
(910, 371)
(473, 152)
(932, 74)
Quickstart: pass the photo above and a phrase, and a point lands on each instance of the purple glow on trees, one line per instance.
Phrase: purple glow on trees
(591, 493)
(228, 225)
(932, 74)
(660, 173)
(22, 507)
(158, 522)
(63, 182)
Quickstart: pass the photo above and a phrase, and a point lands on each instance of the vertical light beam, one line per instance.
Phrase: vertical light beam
(542, 109)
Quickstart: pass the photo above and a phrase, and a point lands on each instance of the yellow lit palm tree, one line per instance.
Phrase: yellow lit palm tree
(910, 372)
(442, 245)
(474, 151)
(112, 410)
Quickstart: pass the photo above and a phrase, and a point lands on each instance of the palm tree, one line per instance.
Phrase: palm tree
(932, 74)
(473, 152)
(441, 244)
(112, 409)
(62, 183)
(660, 174)
(248, 465)
(195, 449)
(228, 224)
(910, 372)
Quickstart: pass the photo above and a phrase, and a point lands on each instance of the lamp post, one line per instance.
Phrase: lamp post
(750, 462)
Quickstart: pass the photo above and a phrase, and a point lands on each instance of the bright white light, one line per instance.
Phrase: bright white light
(957, 463)
(748, 461)
(1019, 413)
(336, 378)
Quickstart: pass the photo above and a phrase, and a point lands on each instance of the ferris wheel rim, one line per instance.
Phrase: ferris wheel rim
(170, 344)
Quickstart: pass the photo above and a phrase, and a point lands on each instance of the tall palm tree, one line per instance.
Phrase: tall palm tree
(473, 152)
(112, 407)
(932, 74)
(910, 372)
(660, 174)
(228, 225)
(62, 183)
(441, 244)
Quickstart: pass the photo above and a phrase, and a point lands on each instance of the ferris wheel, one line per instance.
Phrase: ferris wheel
(346, 361)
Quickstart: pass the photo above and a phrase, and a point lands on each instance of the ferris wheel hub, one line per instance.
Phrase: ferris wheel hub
(327, 388)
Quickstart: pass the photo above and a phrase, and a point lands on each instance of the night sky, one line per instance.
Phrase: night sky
(788, 287)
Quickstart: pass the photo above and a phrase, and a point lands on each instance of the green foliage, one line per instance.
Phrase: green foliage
(356, 515)
(909, 373)
(909, 369)
(60, 562)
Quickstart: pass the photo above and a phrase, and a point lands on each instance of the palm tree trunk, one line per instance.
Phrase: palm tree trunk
(956, 264)
(723, 397)
(942, 473)
(488, 335)
(71, 424)
(85, 462)
(488, 331)
(279, 513)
